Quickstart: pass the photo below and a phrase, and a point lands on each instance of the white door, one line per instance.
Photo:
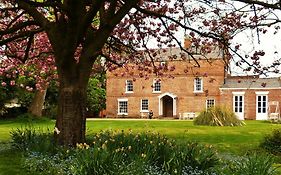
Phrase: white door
(261, 107)
(238, 106)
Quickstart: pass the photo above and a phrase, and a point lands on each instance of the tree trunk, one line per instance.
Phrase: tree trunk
(37, 103)
(71, 120)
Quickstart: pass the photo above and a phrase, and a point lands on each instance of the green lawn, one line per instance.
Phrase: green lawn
(226, 139)
(234, 140)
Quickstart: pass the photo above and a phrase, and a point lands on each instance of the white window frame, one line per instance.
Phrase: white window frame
(154, 83)
(127, 86)
(195, 85)
(207, 104)
(262, 115)
(238, 104)
(141, 106)
(118, 109)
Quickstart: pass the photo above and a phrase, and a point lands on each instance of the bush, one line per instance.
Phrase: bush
(217, 116)
(272, 142)
(252, 165)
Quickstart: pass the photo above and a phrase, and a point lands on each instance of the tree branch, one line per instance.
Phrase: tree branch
(37, 16)
(262, 3)
(17, 27)
(152, 13)
(29, 44)
(20, 35)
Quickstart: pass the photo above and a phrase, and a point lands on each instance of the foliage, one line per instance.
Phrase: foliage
(96, 96)
(217, 116)
(113, 153)
(272, 142)
(257, 164)
(31, 139)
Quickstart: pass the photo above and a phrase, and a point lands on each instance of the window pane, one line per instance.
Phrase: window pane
(123, 107)
(144, 105)
(130, 87)
(210, 103)
(198, 84)
(157, 86)
(240, 98)
(240, 108)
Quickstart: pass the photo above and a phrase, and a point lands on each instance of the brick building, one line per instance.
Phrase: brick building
(190, 90)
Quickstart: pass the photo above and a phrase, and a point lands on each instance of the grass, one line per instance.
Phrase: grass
(235, 140)
(229, 140)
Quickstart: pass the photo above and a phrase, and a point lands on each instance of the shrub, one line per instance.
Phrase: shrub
(272, 142)
(253, 164)
(217, 116)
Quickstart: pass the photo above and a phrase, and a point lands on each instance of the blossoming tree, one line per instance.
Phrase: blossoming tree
(79, 32)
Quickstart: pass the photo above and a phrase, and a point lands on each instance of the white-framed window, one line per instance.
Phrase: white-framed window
(210, 103)
(144, 105)
(129, 86)
(157, 86)
(123, 106)
(261, 102)
(198, 84)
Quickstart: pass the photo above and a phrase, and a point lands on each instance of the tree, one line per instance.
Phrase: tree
(80, 32)
(33, 71)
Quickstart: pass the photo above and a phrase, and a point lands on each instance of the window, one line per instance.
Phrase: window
(157, 86)
(122, 106)
(238, 103)
(198, 85)
(210, 103)
(129, 86)
(262, 103)
(144, 105)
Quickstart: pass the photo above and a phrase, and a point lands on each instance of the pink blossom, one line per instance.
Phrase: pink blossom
(3, 84)
(12, 83)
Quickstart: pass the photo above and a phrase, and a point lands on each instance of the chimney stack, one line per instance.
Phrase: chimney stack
(187, 42)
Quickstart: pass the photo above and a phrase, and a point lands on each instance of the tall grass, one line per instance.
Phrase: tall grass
(218, 116)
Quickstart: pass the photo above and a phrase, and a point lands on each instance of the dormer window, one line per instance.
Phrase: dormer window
(129, 86)
(157, 86)
(198, 84)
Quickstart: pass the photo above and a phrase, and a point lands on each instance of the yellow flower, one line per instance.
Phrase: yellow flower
(129, 147)
(143, 155)
(103, 146)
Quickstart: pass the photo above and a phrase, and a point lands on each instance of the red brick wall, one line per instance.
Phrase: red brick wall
(250, 99)
(182, 85)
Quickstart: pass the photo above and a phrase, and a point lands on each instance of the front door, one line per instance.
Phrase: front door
(238, 106)
(261, 107)
(167, 106)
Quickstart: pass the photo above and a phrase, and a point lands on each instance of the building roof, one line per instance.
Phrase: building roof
(250, 82)
(165, 54)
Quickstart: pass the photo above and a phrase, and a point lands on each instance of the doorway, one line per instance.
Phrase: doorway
(167, 106)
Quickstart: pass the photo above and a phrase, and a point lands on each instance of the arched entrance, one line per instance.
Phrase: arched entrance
(167, 105)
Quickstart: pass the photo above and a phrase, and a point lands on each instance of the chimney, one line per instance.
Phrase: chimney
(187, 42)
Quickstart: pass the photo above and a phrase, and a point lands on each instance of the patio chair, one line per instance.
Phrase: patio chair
(273, 110)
